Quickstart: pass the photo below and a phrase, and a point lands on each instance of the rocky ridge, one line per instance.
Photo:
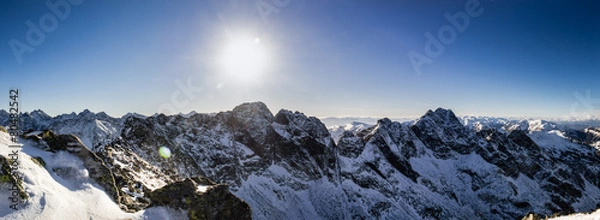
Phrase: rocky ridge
(288, 166)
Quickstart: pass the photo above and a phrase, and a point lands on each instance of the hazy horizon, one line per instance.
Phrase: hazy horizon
(348, 118)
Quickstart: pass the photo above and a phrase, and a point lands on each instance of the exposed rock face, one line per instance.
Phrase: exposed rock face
(350, 145)
(589, 136)
(122, 178)
(286, 166)
(96, 167)
(8, 176)
(303, 144)
(442, 132)
(202, 201)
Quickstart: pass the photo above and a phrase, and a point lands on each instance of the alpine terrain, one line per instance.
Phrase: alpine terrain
(248, 162)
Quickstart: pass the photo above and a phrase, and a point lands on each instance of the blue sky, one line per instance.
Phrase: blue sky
(325, 57)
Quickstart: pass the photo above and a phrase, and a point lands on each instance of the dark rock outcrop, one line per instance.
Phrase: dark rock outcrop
(216, 203)
(287, 166)
(8, 175)
(443, 133)
(97, 169)
(212, 201)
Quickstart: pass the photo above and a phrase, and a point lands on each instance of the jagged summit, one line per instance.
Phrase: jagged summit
(384, 121)
(298, 122)
(85, 112)
(442, 121)
(131, 114)
(254, 109)
(353, 127)
(287, 165)
(530, 125)
(40, 113)
(441, 116)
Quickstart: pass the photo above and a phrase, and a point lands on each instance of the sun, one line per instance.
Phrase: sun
(244, 58)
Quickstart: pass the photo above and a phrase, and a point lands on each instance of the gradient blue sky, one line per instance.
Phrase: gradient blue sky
(329, 57)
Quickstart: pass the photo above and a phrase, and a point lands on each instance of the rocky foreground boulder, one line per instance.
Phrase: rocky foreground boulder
(203, 199)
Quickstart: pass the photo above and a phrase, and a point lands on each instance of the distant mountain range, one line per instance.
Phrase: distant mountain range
(576, 124)
(291, 166)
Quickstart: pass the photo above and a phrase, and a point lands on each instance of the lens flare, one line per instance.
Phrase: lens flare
(164, 152)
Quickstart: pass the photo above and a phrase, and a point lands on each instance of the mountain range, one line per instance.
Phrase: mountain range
(291, 166)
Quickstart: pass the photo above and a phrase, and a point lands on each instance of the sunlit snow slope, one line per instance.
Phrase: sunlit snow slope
(70, 196)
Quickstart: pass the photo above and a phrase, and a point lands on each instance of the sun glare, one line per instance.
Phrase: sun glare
(244, 58)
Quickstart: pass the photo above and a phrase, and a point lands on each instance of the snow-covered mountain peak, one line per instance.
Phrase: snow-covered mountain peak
(86, 113)
(38, 113)
(442, 120)
(442, 132)
(478, 123)
(299, 124)
(384, 122)
(530, 125)
(131, 114)
(354, 127)
(71, 115)
(440, 117)
(447, 115)
(443, 111)
(102, 116)
(541, 125)
(187, 115)
(286, 165)
(393, 130)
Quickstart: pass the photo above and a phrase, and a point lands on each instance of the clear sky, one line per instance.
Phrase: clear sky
(321, 57)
